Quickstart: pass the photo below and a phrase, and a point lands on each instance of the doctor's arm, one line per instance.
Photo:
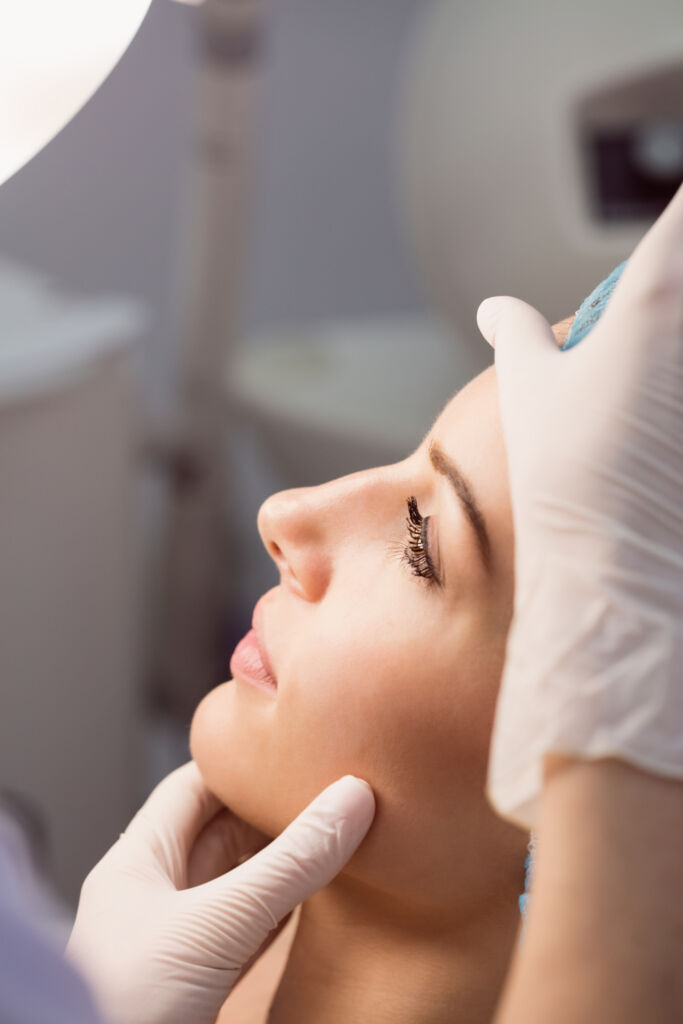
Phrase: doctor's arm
(603, 940)
(587, 747)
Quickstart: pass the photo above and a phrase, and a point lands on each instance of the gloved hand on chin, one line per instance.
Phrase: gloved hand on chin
(160, 937)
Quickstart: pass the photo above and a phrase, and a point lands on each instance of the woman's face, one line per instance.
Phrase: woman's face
(386, 635)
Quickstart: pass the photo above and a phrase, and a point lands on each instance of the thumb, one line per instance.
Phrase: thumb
(303, 858)
(521, 336)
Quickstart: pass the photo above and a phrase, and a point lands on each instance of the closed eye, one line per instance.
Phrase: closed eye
(417, 554)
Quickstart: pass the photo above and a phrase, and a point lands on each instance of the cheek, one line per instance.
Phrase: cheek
(410, 711)
(400, 701)
(266, 759)
(478, 686)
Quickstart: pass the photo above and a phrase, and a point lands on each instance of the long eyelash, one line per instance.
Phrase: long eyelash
(415, 553)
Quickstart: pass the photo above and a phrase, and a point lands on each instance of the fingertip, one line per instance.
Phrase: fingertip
(311, 851)
(190, 770)
(356, 781)
(349, 804)
(189, 778)
(351, 797)
(487, 316)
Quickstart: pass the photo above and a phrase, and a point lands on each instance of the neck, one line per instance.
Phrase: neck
(358, 955)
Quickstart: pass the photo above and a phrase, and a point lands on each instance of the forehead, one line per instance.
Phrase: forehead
(471, 420)
(470, 431)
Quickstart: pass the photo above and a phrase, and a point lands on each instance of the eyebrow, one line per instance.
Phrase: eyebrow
(445, 466)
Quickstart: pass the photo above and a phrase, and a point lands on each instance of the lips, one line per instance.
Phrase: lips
(250, 662)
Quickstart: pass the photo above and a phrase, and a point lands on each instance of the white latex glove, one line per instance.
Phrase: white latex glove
(159, 948)
(594, 439)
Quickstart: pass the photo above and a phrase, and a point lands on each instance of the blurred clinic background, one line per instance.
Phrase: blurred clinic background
(251, 262)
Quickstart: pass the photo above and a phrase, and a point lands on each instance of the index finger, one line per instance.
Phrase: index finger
(178, 808)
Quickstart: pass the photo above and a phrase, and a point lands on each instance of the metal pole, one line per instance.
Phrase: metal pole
(197, 566)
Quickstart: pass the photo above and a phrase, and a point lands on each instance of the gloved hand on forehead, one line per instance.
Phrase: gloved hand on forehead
(594, 439)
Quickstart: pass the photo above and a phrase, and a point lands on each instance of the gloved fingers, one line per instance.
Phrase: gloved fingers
(524, 347)
(268, 941)
(503, 320)
(300, 861)
(221, 845)
(169, 821)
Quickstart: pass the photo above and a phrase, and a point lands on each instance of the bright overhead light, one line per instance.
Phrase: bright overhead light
(53, 56)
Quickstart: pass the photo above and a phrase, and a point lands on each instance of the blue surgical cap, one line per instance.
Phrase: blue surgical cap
(592, 308)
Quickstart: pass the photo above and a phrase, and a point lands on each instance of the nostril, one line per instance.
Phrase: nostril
(275, 551)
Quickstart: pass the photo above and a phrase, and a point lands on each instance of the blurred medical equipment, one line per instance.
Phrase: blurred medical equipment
(302, 390)
(67, 549)
(188, 657)
(537, 141)
(67, 464)
(53, 56)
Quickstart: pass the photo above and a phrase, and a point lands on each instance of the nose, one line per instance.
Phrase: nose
(311, 531)
(295, 528)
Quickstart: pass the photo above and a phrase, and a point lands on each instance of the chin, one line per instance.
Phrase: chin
(231, 767)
